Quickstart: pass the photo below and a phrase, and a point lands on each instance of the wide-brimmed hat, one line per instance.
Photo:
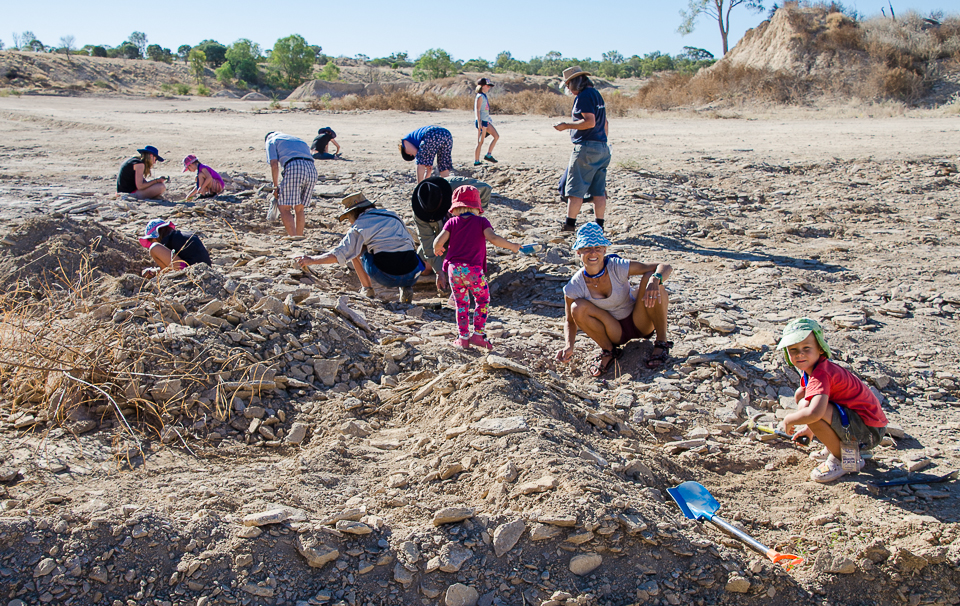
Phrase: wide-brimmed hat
(485, 82)
(151, 150)
(589, 235)
(467, 196)
(798, 330)
(431, 199)
(153, 231)
(573, 72)
(354, 202)
(188, 161)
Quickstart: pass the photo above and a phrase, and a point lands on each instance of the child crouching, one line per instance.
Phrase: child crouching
(833, 403)
(466, 262)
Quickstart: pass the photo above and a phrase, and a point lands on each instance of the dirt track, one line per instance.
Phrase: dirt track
(764, 217)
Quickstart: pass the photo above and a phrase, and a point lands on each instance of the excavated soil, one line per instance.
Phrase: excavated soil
(249, 433)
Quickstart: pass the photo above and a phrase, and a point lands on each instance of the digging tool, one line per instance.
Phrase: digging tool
(752, 424)
(696, 503)
(926, 479)
(530, 249)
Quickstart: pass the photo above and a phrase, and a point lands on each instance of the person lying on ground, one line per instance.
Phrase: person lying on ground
(132, 178)
(325, 136)
(600, 301)
(378, 244)
(170, 248)
(431, 204)
(833, 404)
(209, 181)
(587, 167)
(294, 192)
(466, 261)
(426, 144)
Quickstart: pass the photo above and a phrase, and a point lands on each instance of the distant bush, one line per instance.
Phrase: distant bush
(203, 91)
(182, 89)
(102, 84)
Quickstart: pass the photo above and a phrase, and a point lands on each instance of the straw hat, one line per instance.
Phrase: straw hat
(353, 202)
(573, 72)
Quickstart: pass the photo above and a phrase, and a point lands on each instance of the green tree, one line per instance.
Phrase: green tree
(128, 50)
(157, 53)
(293, 59)
(476, 65)
(139, 39)
(330, 72)
(29, 42)
(433, 64)
(215, 52)
(98, 51)
(198, 60)
(183, 51)
(718, 10)
(243, 57)
(225, 74)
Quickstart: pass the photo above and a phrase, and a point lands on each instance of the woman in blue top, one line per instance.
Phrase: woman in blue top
(425, 144)
(483, 123)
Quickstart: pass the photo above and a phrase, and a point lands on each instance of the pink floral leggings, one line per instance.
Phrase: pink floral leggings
(464, 281)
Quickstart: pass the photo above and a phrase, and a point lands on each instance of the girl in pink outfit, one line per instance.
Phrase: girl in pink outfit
(209, 182)
(466, 261)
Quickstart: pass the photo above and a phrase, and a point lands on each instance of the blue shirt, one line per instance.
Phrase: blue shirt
(589, 101)
(416, 137)
(283, 148)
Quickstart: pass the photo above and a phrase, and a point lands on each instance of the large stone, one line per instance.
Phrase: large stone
(326, 370)
(494, 361)
(45, 567)
(505, 536)
(298, 433)
(737, 584)
(452, 515)
(402, 575)
(274, 516)
(540, 485)
(501, 427)
(351, 527)
(461, 595)
(842, 565)
(317, 554)
(585, 563)
(453, 556)
(544, 532)
(356, 428)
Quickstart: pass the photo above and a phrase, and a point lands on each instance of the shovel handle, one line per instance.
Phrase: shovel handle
(786, 560)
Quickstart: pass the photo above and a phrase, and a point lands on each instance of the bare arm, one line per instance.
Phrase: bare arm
(587, 122)
(334, 141)
(638, 269)
(324, 259)
(439, 241)
(275, 175)
(806, 415)
(138, 177)
(569, 331)
(500, 241)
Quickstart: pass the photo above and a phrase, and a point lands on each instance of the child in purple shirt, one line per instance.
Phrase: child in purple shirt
(209, 182)
(466, 262)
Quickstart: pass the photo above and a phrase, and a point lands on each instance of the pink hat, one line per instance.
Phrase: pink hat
(153, 231)
(188, 161)
(466, 196)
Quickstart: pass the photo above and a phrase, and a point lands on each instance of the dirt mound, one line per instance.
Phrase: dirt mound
(60, 252)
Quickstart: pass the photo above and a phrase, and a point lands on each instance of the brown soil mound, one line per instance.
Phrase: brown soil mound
(50, 251)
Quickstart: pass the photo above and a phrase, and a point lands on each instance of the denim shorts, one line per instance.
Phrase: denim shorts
(390, 280)
(587, 171)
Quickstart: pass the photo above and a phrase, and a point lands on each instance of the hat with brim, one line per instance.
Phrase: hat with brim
(151, 150)
(188, 161)
(153, 231)
(467, 196)
(354, 202)
(590, 235)
(484, 82)
(798, 330)
(431, 199)
(572, 72)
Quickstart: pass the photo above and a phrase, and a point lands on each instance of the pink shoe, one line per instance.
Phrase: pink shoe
(480, 341)
(462, 342)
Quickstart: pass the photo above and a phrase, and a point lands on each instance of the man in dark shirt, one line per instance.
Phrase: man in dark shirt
(325, 136)
(171, 248)
(587, 169)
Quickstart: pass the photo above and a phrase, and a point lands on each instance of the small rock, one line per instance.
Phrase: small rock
(501, 427)
(737, 584)
(453, 556)
(562, 521)
(402, 575)
(585, 563)
(298, 433)
(350, 527)
(842, 565)
(508, 472)
(544, 532)
(461, 595)
(274, 516)
(45, 567)
(540, 485)
(451, 515)
(506, 536)
(316, 553)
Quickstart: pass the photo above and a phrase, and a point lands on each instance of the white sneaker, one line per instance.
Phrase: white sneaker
(831, 469)
(367, 291)
(820, 455)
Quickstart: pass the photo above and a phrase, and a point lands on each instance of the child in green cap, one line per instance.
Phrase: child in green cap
(832, 403)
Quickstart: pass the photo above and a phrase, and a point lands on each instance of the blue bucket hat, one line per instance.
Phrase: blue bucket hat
(151, 150)
(590, 234)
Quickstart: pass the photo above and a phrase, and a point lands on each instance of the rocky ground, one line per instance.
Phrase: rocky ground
(251, 434)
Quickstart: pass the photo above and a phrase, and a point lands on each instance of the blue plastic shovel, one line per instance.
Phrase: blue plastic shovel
(697, 503)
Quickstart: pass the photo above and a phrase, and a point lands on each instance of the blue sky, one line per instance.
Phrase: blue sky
(378, 28)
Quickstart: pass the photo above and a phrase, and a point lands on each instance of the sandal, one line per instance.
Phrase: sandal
(598, 367)
(660, 359)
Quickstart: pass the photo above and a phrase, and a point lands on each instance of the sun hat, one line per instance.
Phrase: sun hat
(798, 330)
(354, 202)
(431, 199)
(467, 196)
(151, 150)
(153, 231)
(188, 161)
(589, 235)
(573, 72)
(485, 82)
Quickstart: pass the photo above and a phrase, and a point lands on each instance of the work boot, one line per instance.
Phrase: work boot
(406, 294)
(368, 292)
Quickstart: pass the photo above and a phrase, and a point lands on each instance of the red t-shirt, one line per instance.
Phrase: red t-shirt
(467, 243)
(843, 387)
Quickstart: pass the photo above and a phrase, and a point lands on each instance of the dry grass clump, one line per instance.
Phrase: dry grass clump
(525, 102)
(730, 83)
(530, 102)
